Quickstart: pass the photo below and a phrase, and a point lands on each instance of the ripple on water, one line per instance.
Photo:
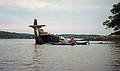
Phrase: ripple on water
(19, 56)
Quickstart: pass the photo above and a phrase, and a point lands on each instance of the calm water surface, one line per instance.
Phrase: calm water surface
(23, 55)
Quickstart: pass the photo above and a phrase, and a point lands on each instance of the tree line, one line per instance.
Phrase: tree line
(13, 35)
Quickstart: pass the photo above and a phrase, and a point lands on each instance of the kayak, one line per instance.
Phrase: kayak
(77, 43)
(81, 43)
(63, 43)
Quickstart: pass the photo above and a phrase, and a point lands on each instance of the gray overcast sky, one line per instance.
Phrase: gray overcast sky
(60, 16)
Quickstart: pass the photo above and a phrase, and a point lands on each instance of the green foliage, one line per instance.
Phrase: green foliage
(9, 35)
(114, 20)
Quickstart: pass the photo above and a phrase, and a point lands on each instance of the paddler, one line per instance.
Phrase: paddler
(72, 40)
(62, 39)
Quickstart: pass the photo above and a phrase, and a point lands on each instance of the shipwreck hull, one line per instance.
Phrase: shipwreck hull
(46, 39)
(42, 37)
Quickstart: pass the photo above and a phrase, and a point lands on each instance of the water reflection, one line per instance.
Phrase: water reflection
(37, 49)
(69, 58)
(18, 56)
(116, 57)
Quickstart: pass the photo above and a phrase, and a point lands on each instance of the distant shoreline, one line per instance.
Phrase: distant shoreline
(13, 35)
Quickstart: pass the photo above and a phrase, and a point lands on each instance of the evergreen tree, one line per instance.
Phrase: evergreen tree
(114, 20)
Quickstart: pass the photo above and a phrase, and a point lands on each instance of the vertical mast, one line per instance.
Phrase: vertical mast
(37, 32)
(36, 28)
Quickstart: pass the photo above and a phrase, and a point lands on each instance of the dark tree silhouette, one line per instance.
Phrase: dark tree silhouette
(114, 20)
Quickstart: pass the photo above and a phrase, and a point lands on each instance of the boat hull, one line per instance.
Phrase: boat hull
(83, 43)
(63, 43)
